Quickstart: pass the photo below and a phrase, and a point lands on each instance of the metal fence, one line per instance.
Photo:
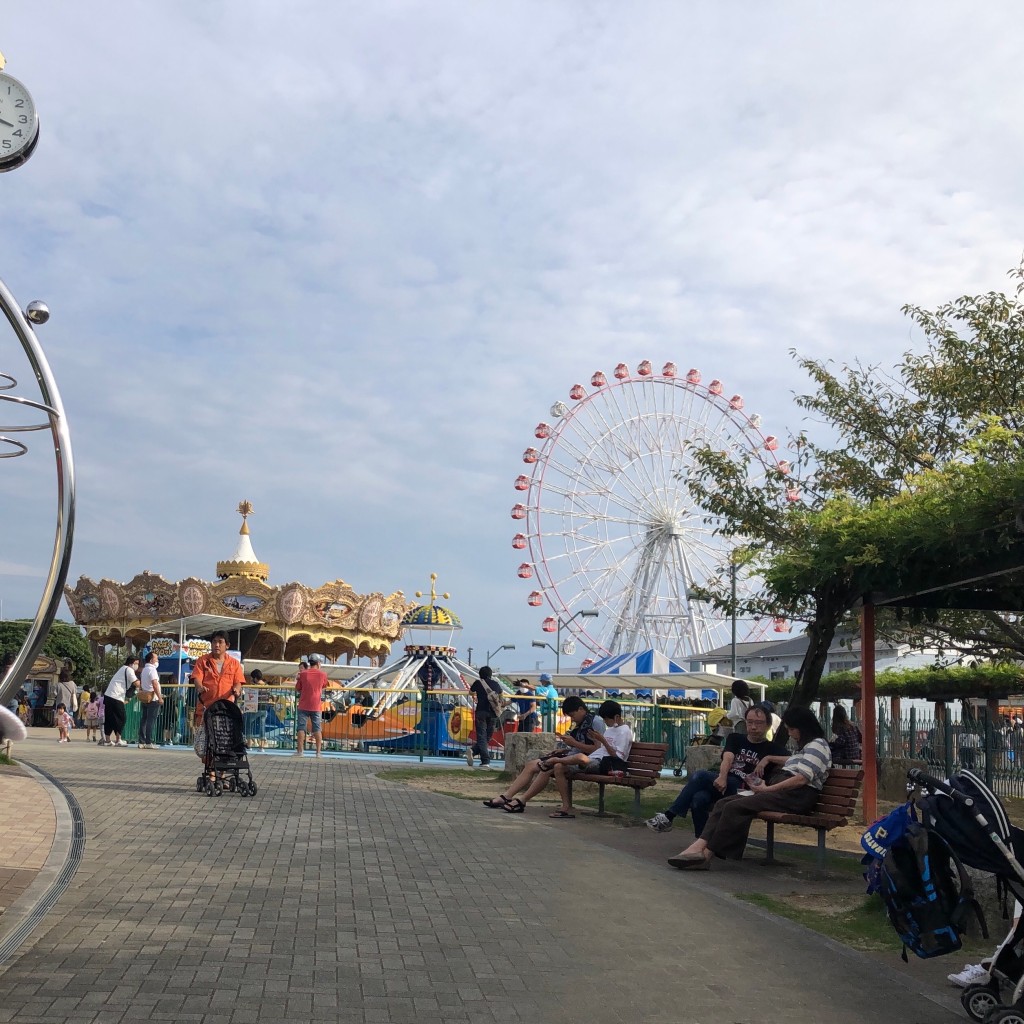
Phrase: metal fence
(986, 744)
(433, 725)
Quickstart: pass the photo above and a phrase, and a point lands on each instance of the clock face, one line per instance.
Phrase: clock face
(19, 123)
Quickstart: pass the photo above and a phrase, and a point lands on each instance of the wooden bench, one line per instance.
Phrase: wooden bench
(833, 809)
(644, 763)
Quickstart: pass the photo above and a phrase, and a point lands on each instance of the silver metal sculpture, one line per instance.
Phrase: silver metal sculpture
(11, 447)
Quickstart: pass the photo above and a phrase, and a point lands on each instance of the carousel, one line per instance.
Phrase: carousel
(419, 701)
(276, 622)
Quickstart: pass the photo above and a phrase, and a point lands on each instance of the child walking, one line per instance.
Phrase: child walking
(64, 722)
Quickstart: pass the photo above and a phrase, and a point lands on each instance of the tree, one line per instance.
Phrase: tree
(959, 402)
(63, 641)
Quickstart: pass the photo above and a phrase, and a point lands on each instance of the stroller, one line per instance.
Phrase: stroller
(222, 735)
(970, 817)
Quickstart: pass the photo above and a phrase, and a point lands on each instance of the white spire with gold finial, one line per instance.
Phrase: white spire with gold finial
(244, 561)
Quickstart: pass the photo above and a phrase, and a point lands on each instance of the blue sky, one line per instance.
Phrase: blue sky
(339, 259)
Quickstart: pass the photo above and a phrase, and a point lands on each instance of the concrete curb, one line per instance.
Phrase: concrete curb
(28, 910)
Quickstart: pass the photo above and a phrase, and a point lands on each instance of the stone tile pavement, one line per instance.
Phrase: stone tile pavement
(29, 824)
(333, 895)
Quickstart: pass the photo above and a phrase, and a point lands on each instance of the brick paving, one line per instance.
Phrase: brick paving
(335, 896)
(29, 823)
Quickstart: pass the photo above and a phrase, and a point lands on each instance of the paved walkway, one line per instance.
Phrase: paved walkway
(335, 896)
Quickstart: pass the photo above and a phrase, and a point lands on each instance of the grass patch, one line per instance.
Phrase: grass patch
(5, 760)
(855, 921)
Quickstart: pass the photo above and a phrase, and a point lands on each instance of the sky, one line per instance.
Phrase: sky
(339, 259)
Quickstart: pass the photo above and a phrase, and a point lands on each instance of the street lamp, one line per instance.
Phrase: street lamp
(586, 613)
(503, 647)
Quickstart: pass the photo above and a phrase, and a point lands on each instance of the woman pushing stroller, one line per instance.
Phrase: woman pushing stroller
(217, 676)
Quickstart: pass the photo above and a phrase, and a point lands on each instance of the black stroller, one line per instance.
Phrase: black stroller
(970, 817)
(225, 752)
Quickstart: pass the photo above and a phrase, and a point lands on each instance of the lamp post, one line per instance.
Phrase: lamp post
(732, 574)
(503, 647)
(586, 613)
(544, 643)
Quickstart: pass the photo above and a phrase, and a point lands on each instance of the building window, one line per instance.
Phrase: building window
(777, 673)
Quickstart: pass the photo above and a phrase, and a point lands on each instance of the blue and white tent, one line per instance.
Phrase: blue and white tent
(643, 663)
(636, 663)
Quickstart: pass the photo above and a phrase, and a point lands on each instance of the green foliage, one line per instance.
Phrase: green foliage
(929, 683)
(63, 640)
(920, 482)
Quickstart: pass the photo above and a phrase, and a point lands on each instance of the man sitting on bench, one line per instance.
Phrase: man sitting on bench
(740, 756)
(537, 773)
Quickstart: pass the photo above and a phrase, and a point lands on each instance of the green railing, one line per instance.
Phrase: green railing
(986, 744)
(433, 725)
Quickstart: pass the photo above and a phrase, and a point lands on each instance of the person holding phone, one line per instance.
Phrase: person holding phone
(779, 783)
(538, 772)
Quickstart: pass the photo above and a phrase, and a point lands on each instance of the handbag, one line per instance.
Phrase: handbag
(130, 691)
(145, 696)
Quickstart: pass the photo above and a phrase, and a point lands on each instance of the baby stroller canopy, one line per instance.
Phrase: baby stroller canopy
(977, 845)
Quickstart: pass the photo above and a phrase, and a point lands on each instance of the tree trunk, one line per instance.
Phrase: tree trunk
(820, 634)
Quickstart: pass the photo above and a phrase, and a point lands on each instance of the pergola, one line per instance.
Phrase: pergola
(990, 584)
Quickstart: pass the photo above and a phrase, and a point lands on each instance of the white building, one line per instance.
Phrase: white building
(780, 659)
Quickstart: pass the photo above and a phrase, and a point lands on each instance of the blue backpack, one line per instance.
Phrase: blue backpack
(927, 892)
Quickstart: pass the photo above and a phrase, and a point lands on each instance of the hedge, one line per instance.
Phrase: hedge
(931, 683)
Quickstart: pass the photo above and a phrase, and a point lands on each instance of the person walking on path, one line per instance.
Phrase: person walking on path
(484, 718)
(66, 692)
(115, 696)
(151, 699)
(310, 688)
(217, 676)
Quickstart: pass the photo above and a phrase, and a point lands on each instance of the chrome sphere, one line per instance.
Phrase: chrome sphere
(37, 312)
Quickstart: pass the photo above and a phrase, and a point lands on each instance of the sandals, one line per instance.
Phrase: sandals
(561, 814)
(498, 803)
(515, 806)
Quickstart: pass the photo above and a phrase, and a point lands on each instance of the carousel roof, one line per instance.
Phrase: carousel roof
(431, 616)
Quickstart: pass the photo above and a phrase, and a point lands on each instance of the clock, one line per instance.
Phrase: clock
(19, 123)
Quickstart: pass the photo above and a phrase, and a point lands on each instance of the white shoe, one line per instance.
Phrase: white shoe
(659, 823)
(972, 974)
(120, 743)
(469, 756)
(319, 754)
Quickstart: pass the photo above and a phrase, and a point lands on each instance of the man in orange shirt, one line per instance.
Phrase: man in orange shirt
(217, 675)
(310, 688)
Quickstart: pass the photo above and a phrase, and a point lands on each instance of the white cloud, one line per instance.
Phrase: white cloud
(340, 260)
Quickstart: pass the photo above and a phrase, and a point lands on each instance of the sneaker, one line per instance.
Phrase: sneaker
(319, 753)
(659, 823)
(972, 974)
(469, 756)
(120, 743)
(482, 765)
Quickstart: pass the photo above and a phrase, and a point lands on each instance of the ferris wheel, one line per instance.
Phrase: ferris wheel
(608, 523)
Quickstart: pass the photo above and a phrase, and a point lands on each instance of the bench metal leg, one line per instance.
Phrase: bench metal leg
(600, 800)
(636, 802)
(769, 852)
(821, 848)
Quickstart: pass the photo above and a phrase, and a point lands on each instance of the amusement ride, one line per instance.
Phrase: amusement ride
(606, 521)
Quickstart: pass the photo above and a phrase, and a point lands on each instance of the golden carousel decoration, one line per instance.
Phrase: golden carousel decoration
(331, 619)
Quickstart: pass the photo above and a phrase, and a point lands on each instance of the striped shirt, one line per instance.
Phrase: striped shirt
(812, 762)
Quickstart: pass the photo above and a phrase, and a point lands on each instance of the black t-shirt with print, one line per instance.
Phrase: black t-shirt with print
(746, 753)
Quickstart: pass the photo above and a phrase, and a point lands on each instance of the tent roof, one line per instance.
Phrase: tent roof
(653, 681)
(290, 669)
(201, 625)
(635, 663)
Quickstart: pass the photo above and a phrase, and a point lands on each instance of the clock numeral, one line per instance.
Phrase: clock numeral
(17, 132)
(17, 103)
(6, 144)
(22, 119)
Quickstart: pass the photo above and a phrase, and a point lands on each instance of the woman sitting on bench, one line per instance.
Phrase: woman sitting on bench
(793, 786)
